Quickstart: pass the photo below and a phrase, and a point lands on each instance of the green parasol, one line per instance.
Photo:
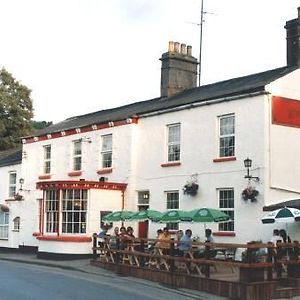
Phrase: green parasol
(206, 215)
(175, 215)
(118, 216)
(148, 214)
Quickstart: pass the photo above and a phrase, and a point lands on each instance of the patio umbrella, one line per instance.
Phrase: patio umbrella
(175, 215)
(148, 214)
(120, 215)
(206, 215)
(284, 215)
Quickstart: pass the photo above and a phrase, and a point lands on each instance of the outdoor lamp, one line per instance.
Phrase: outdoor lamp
(21, 181)
(248, 164)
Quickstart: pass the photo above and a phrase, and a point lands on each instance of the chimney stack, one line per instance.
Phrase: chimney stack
(293, 41)
(178, 69)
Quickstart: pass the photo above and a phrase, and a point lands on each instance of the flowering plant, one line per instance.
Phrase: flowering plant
(18, 197)
(250, 193)
(191, 188)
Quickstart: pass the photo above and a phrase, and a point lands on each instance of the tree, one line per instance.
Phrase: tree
(38, 125)
(16, 111)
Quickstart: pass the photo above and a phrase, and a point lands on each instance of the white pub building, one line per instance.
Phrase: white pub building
(55, 191)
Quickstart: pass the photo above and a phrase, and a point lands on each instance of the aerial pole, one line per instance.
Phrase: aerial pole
(200, 44)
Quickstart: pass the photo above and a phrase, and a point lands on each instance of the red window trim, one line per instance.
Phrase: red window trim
(224, 233)
(60, 238)
(75, 173)
(171, 164)
(46, 176)
(223, 159)
(104, 171)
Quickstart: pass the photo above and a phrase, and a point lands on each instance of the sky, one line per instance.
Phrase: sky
(82, 56)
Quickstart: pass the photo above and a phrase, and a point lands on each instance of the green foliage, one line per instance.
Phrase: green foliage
(38, 125)
(16, 111)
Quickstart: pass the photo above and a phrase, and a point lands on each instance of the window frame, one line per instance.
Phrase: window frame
(226, 141)
(228, 207)
(170, 202)
(4, 225)
(106, 162)
(173, 142)
(77, 155)
(47, 159)
(16, 224)
(12, 186)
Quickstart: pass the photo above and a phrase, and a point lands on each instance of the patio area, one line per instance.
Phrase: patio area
(239, 271)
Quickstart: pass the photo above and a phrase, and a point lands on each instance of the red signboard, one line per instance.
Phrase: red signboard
(285, 111)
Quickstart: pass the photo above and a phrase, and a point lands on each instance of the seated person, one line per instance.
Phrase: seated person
(185, 242)
(164, 240)
(207, 253)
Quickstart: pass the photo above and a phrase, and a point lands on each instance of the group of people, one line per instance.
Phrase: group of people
(280, 236)
(120, 237)
(183, 242)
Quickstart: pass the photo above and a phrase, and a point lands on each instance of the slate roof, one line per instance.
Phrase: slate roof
(227, 88)
(11, 157)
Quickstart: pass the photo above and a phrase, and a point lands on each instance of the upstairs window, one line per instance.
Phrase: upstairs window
(106, 151)
(173, 142)
(226, 136)
(12, 184)
(47, 159)
(77, 155)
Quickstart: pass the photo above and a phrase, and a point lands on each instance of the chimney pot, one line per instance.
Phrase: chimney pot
(189, 50)
(171, 46)
(183, 49)
(177, 46)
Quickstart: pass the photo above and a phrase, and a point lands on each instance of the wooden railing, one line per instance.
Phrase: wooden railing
(257, 262)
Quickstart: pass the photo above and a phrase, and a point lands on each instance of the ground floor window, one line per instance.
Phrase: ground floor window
(4, 225)
(226, 204)
(66, 211)
(16, 222)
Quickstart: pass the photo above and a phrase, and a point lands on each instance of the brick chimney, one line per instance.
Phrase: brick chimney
(178, 69)
(293, 41)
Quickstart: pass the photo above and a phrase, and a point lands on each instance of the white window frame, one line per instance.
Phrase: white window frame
(74, 211)
(4, 223)
(172, 202)
(226, 135)
(173, 142)
(51, 210)
(226, 204)
(106, 150)
(12, 184)
(16, 223)
(77, 155)
(47, 159)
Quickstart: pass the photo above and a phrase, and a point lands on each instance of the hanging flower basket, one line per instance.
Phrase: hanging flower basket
(191, 189)
(250, 193)
(18, 197)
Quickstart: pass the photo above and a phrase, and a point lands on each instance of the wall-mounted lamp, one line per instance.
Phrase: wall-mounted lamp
(21, 181)
(248, 164)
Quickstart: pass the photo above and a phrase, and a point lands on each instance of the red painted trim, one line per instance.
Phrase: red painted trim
(11, 200)
(73, 239)
(80, 185)
(92, 127)
(58, 212)
(285, 111)
(224, 233)
(223, 159)
(47, 176)
(171, 164)
(104, 171)
(75, 173)
(37, 234)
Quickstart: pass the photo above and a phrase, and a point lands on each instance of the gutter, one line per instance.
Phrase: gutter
(203, 103)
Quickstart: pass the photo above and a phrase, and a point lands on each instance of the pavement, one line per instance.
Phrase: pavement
(83, 265)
